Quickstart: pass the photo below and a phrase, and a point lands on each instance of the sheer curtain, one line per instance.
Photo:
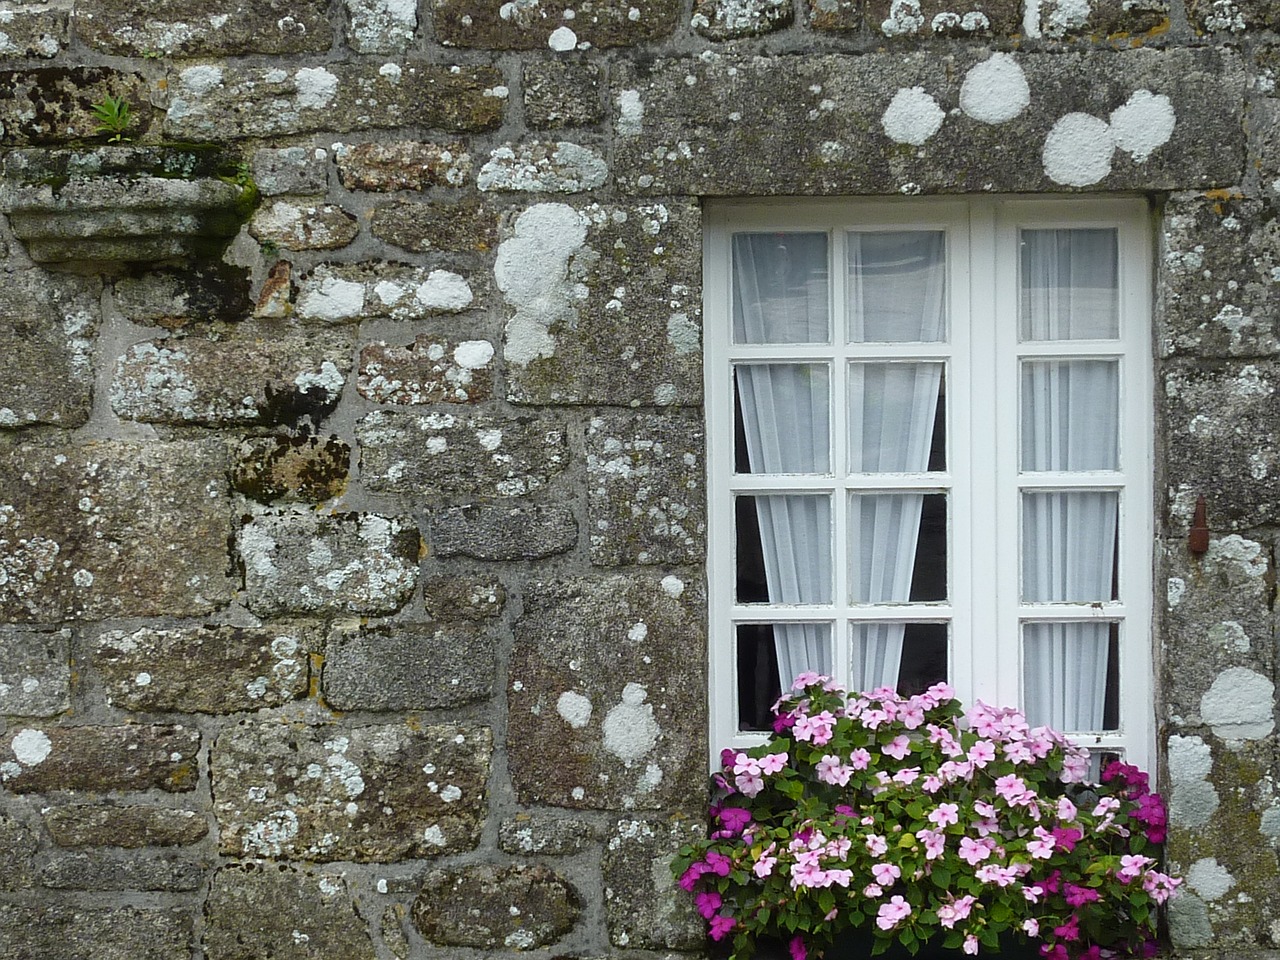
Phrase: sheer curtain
(1070, 422)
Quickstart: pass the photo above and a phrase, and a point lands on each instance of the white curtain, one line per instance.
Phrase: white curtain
(1070, 422)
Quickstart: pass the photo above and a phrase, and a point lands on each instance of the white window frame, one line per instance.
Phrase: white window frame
(982, 303)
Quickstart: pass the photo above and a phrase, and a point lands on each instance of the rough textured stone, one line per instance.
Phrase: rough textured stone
(563, 93)
(645, 497)
(47, 327)
(607, 695)
(212, 103)
(54, 104)
(430, 370)
(1118, 19)
(292, 469)
(124, 825)
(643, 905)
(188, 28)
(537, 167)
(1227, 19)
(501, 532)
(379, 793)
(18, 845)
(730, 19)
(381, 26)
(408, 666)
(835, 15)
(258, 374)
(35, 672)
(1217, 269)
(815, 128)
(39, 32)
(459, 455)
(604, 304)
(558, 24)
(924, 18)
(203, 669)
(403, 165)
(203, 292)
(257, 910)
(463, 598)
(343, 294)
(99, 758)
(96, 871)
(299, 170)
(62, 931)
(393, 932)
(113, 529)
(519, 907)
(527, 835)
(304, 563)
(303, 224)
(1221, 424)
(464, 226)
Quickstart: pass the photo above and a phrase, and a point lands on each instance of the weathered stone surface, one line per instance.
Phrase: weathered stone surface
(408, 666)
(814, 126)
(730, 19)
(538, 167)
(429, 370)
(258, 374)
(459, 455)
(645, 495)
(643, 905)
(403, 165)
(560, 25)
(275, 298)
(464, 226)
(60, 931)
(188, 28)
(1216, 278)
(607, 694)
(202, 292)
(213, 103)
(39, 32)
(836, 15)
(124, 825)
(393, 932)
(1221, 439)
(292, 469)
(381, 26)
(604, 304)
(937, 18)
(299, 170)
(380, 793)
(502, 532)
(1227, 19)
(563, 93)
(203, 669)
(527, 835)
(53, 104)
(305, 563)
(454, 597)
(335, 294)
(1217, 615)
(1120, 19)
(113, 529)
(97, 871)
(520, 907)
(35, 672)
(47, 326)
(133, 757)
(18, 845)
(258, 910)
(304, 224)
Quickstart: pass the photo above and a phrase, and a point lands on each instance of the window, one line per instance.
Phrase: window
(930, 456)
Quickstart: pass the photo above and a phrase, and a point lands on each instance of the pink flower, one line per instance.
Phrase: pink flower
(1159, 885)
(816, 728)
(807, 678)
(1041, 848)
(906, 776)
(885, 873)
(1031, 927)
(892, 913)
(859, 759)
(877, 845)
(941, 692)
(913, 715)
(1131, 867)
(871, 891)
(831, 770)
(708, 903)
(945, 814)
(970, 945)
(773, 763)
(934, 843)
(749, 784)
(1018, 752)
(930, 784)
(898, 747)
(949, 914)
(1066, 809)
(974, 852)
(981, 753)
(873, 718)
(994, 873)
(720, 926)
(1012, 789)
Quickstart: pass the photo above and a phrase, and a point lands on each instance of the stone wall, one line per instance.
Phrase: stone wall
(351, 580)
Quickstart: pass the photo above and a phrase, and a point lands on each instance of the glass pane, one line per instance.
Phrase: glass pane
(1070, 415)
(1070, 676)
(780, 288)
(910, 657)
(1069, 285)
(769, 657)
(785, 417)
(897, 287)
(894, 422)
(1069, 546)
(784, 548)
(897, 547)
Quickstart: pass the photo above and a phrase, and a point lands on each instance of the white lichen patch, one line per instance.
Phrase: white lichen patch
(537, 167)
(574, 709)
(1247, 556)
(1240, 705)
(1194, 799)
(1078, 150)
(995, 91)
(380, 26)
(272, 835)
(31, 747)
(1060, 17)
(315, 88)
(1210, 879)
(905, 19)
(673, 586)
(683, 334)
(912, 116)
(443, 292)
(562, 40)
(330, 298)
(630, 730)
(341, 294)
(630, 122)
(1143, 124)
(1175, 591)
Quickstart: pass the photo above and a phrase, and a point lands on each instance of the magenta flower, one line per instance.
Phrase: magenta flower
(734, 819)
(720, 926)
(1070, 930)
(708, 902)
(1079, 896)
(1067, 837)
(797, 948)
(783, 722)
(718, 863)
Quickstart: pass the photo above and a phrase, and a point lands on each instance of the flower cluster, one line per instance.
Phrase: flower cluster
(918, 822)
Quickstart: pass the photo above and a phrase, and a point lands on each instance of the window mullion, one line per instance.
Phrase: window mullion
(841, 654)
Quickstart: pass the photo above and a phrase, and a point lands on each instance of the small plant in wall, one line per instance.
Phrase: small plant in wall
(112, 114)
(915, 822)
